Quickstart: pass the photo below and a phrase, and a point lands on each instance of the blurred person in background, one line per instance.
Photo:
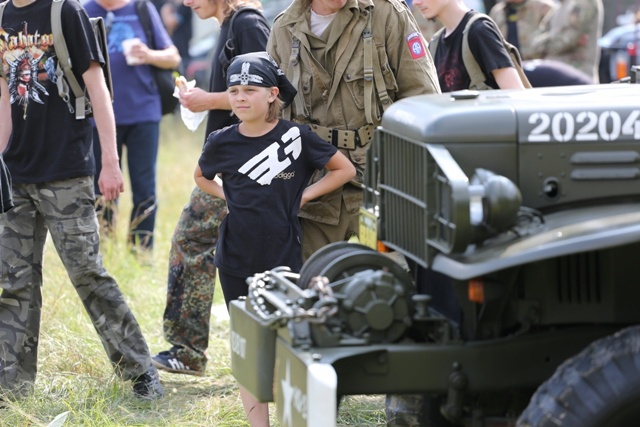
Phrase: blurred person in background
(192, 274)
(429, 27)
(520, 20)
(485, 43)
(177, 19)
(571, 36)
(137, 109)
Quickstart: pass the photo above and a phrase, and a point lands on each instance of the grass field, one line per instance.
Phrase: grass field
(76, 385)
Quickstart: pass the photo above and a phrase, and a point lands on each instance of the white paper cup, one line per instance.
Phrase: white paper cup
(126, 49)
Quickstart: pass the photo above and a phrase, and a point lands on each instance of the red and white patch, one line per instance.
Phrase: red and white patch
(416, 46)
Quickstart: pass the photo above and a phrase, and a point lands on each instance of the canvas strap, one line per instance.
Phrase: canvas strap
(65, 77)
(372, 74)
(2, 5)
(294, 61)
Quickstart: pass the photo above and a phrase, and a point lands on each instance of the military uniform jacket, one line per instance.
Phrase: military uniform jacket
(532, 14)
(329, 74)
(572, 36)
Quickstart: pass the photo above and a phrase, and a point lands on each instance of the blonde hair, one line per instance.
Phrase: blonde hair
(231, 6)
(274, 110)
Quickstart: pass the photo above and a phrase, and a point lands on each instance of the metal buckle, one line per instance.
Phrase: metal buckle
(356, 139)
(334, 137)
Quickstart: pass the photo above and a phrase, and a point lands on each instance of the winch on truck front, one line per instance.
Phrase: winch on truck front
(513, 221)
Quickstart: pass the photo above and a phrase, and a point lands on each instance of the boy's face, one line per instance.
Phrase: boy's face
(251, 103)
(205, 9)
(431, 9)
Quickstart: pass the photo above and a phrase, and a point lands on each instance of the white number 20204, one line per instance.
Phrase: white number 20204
(586, 126)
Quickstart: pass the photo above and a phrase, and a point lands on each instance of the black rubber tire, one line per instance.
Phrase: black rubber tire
(600, 387)
(319, 260)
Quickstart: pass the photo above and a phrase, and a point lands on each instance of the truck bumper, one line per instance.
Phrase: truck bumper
(305, 381)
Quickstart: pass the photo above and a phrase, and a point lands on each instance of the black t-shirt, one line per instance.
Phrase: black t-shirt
(47, 143)
(485, 43)
(250, 35)
(263, 180)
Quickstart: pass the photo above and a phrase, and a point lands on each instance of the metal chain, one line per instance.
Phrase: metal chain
(263, 284)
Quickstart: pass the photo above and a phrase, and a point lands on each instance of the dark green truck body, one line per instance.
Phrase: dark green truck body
(531, 198)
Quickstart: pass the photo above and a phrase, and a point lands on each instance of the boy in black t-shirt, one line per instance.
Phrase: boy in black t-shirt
(192, 275)
(265, 165)
(485, 43)
(49, 154)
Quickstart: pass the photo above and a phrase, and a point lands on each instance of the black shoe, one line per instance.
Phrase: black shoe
(168, 361)
(147, 385)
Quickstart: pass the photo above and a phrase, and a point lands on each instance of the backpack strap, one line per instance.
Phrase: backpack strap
(478, 78)
(433, 43)
(294, 60)
(227, 53)
(372, 73)
(145, 20)
(2, 5)
(65, 77)
(473, 68)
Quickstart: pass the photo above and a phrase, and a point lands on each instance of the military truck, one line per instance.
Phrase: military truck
(503, 284)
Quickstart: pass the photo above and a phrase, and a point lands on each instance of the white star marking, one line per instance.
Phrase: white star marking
(287, 393)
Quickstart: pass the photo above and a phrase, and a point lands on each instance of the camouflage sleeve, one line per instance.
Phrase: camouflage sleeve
(407, 53)
(563, 35)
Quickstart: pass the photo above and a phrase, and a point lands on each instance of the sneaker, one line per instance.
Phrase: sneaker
(168, 361)
(147, 385)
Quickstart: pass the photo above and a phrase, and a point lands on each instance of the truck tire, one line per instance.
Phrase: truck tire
(600, 387)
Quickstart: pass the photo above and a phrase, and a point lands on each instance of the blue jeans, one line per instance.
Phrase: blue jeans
(142, 153)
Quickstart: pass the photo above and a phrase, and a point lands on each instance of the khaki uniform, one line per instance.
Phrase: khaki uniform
(329, 73)
(532, 15)
(572, 35)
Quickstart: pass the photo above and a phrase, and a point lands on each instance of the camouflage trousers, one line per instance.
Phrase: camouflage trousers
(192, 278)
(66, 210)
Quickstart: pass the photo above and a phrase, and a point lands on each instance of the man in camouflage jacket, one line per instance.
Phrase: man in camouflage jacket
(528, 17)
(322, 48)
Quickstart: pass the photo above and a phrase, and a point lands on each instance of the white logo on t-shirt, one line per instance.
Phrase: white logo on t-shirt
(264, 166)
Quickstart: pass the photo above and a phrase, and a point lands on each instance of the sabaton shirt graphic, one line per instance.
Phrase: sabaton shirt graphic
(47, 143)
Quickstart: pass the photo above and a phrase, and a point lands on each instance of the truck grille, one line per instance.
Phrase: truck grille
(402, 193)
(578, 279)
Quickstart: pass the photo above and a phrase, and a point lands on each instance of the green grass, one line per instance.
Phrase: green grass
(75, 378)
